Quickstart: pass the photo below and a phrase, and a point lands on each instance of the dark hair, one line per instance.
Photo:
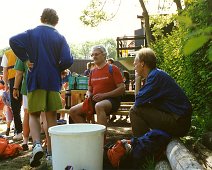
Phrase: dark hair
(126, 74)
(49, 16)
(111, 60)
(147, 55)
(2, 82)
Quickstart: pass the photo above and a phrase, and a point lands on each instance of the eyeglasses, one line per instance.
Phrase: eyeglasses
(95, 54)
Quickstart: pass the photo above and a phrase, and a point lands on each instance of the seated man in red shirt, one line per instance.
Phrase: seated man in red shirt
(105, 87)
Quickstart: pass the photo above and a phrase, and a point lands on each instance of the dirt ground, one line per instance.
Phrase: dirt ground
(118, 129)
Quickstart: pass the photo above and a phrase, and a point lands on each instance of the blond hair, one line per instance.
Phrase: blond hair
(147, 55)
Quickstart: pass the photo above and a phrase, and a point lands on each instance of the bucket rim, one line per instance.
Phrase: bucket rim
(52, 130)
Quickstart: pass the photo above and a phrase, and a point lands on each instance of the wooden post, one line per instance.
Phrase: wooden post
(180, 157)
(163, 165)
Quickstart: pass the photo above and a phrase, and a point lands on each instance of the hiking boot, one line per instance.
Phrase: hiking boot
(37, 154)
(7, 132)
(25, 147)
(18, 136)
(113, 118)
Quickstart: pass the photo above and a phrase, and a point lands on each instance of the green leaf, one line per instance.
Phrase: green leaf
(194, 44)
(210, 53)
(185, 20)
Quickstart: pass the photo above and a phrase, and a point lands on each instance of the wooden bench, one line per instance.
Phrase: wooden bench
(123, 109)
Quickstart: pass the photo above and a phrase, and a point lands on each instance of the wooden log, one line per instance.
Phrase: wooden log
(180, 158)
(207, 140)
(163, 165)
(204, 154)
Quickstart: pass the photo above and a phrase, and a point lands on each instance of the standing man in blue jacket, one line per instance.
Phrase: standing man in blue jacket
(46, 54)
(160, 103)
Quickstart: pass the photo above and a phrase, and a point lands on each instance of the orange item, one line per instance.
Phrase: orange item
(102, 81)
(8, 150)
(88, 109)
(115, 153)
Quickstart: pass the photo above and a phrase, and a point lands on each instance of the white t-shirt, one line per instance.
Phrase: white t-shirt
(4, 61)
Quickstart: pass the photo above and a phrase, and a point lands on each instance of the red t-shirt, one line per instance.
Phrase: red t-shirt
(102, 81)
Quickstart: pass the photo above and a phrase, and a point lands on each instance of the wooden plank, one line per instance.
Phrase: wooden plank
(204, 154)
(123, 113)
(125, 106)
(63, 111)
(163, 165)
(180, 157)
(127, 103)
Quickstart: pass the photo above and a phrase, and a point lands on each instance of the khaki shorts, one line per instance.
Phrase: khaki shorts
(43, 101)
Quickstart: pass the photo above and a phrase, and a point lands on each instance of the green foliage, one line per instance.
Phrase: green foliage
(195, 43)
(159, 22)
(193, 71)
(82, 51)
(94, 13)
(149, 164)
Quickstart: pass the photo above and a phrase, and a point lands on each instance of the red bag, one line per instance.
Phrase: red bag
(115, 153)
(8, 150)
(88, 109)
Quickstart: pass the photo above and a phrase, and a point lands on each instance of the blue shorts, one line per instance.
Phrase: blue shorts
(115, 101)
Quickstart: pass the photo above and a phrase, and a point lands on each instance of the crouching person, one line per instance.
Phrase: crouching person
(104, 89)
(160, 103)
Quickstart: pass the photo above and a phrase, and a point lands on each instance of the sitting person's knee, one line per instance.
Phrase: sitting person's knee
(98, 107)
(73, 112)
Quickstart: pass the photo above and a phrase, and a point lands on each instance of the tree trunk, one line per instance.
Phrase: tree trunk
(204, 154)
(180, 158)
(163, 165)
(147, 25)
(179, 5)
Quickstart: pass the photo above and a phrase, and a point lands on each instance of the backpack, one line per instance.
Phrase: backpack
(151, 144)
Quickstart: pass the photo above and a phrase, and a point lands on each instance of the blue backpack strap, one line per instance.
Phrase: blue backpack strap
(110, 68)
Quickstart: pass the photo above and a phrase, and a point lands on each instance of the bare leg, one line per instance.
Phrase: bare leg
(44, 123)
(51, 118)
(76, 114)
(26, 126)
(103, 108)
(34, 123)
(8, 124)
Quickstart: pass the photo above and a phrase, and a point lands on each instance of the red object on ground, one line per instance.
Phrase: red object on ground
(115, 153)
(8, 150)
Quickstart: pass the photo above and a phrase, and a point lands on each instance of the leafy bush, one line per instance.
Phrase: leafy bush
(192, 72)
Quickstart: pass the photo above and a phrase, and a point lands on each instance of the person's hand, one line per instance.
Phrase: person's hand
(99, 97)
(88, 94)
(29, 65)
(16, 93)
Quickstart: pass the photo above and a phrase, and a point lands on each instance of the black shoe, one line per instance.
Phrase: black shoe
(7, 132)
(25, 147)
(113, 118)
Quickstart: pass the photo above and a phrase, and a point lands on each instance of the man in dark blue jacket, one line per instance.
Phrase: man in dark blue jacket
(46, 54)
(160, 103)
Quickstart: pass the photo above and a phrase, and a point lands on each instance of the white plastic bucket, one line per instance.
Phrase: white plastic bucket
(79, 146)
